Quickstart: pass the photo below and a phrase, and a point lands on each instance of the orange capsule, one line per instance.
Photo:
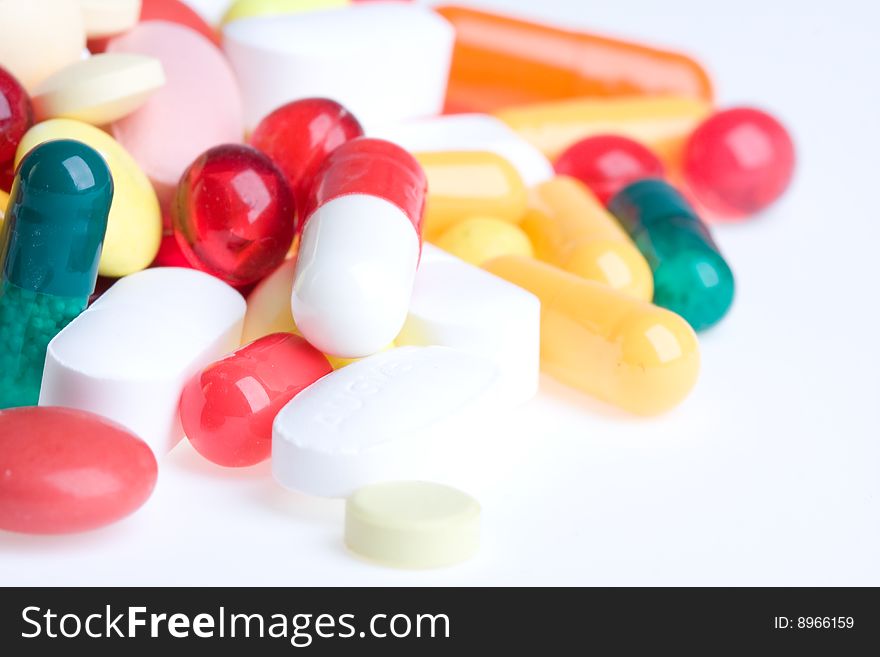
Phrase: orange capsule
(500, 61)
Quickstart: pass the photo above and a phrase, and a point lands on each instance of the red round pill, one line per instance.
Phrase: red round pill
(233, 215)
(65, 470)
(608, 163)
(16, 115)
(228, 408)
(738, 162)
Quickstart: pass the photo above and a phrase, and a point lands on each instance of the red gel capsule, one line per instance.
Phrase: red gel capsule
(608, 163)
(233, 215)
(228, 408)
(16, 115)
(738, 161)
(65, 471)
(299, 136)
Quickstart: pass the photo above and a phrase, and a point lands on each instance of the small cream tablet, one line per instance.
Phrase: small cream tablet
(100, 89)
(412, 524)
(104, 18)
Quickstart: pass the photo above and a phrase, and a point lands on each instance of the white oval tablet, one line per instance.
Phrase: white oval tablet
(100, 89)
(395, 415)
(384, 61)
(412, 524)
(128, 356)
(104, 18)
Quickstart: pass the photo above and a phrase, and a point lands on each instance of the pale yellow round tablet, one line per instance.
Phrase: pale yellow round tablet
(100, 89)
(479, 239)
(412, 524)
(104, 18)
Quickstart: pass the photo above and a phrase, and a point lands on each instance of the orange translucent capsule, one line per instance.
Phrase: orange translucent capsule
(626, 352)
(499, 61)
(463, 184)
(569, 228)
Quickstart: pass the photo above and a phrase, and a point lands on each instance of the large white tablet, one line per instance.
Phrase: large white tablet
(129, 355)
(400, 414)
(384, 61)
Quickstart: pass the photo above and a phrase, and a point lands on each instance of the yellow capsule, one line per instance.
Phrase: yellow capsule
(624, 351)
(4, 201)
(134, 227)
(569, 228)
(662, 123)
(464, 184)
(478, 239)
(250, 8)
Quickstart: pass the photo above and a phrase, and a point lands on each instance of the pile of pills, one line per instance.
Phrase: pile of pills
(338, 235)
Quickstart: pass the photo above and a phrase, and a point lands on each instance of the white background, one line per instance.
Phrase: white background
(768, 474)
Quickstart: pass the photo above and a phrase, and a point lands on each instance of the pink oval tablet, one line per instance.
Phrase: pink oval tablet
(199, 106)
(64, 470)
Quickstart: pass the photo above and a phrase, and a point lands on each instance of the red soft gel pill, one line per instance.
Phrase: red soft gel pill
(16, 116)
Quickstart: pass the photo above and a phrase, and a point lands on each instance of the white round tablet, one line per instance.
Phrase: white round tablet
(100, 89)
(412, 524)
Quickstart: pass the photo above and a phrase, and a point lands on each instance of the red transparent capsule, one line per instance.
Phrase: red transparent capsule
(16, 115)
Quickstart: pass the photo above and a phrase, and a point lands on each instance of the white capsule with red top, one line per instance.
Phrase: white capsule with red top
(361, 240)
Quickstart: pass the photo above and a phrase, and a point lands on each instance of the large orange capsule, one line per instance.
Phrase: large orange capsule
(626, 352)
(500, 61)
(569, 228)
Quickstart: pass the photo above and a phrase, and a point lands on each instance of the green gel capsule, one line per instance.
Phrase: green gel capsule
(691, 277)
(50, 246)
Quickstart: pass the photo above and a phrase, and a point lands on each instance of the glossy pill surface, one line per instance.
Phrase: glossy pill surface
(478, 239)
(228, 408)
(691, 276)
(16, 115)
(738, 162)
(233, 215)
(69, 471)
(624, 351)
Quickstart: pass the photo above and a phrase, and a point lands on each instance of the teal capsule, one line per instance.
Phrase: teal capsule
(691, 277)
(50, 246)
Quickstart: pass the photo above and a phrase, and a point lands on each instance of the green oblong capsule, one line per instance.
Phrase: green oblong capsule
(691, 277)
(50, 246)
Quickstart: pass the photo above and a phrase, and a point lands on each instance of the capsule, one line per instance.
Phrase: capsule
(50, 246)
(499, 60)
(624, 351)
(360, 248)
(569, 228)
(663, 124)
(691, 276)
(463, 184)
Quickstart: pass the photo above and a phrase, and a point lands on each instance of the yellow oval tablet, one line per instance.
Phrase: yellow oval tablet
(250, 8)
(134, 227)
(478, 239)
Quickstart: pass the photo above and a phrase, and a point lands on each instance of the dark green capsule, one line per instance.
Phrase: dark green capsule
(50, 246)
(691, 277)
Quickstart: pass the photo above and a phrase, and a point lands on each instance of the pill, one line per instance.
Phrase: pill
(608, 163)
(227, 408)
(394, 415)
(349, 300)
(691, 276)
(268, 305)
(385, 61)
(662, 124)
(68, 471)
(4, 201)
(569, 228)
(16, 116)
(622, 350)
(104, 18)
(469, 132)
(463, 184)
(500, 60)
(739, 161)
(49, 250)
(251, 8)
(40, 37)
(100, 89)
(412, 524)
(455, 304)
(233, 214)
(130, 354)
(478, 239)
(134, 228)
(300, 135)
(198, 107)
